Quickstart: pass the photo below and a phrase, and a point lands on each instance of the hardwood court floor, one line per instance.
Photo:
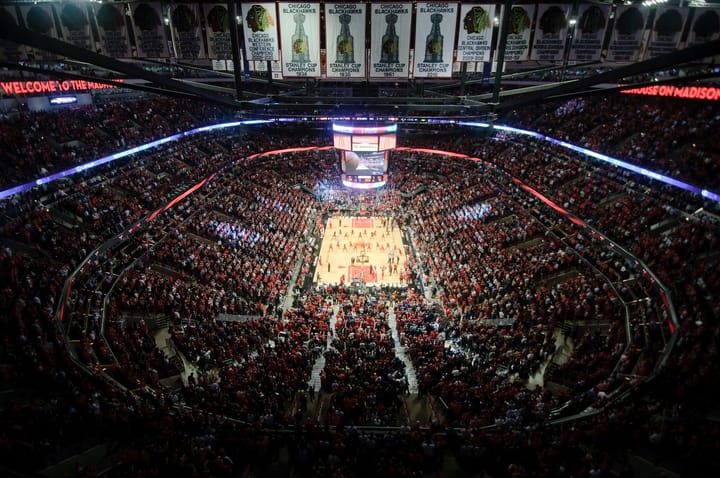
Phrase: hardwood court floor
(361, 248)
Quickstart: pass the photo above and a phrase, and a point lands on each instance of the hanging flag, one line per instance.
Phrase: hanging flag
(345, 40)
(390, 25)
(112, 29)
(11, 51)
(217, 29)
(550, 32)
(260, 31)
(705, 26)
(75, 24)
(475, 36)
(592, 20)
(517, 45)
(626, 42)
(434, 39)
(39, 19)
(300, 39)
(185, 30)
(149, 29)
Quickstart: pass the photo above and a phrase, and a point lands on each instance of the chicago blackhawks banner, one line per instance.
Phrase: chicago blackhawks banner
(517, 46)
(345, 40)
(112, 29)
(474, 39)
(390, 25)
(260, 31)
(75, 25)
(434, 39)
(39, 19)
(217, 30)
(705, 26)
(185, 29)
(550, 32)
(149, 30)
(11, 51)
(589, 32)
(667, 29)
(627, 35)
(300, 39)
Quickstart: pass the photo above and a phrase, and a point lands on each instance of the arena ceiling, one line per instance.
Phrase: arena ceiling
(466, 96)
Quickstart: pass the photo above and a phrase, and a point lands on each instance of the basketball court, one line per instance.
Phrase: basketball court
(365, 250)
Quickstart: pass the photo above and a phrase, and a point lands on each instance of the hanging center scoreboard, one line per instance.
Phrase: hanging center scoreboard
(364, 151)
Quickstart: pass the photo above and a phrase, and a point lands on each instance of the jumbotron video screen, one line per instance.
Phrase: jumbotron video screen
(364, 151)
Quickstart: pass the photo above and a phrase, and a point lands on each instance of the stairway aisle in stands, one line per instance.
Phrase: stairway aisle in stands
(400, 353)
(314, 381)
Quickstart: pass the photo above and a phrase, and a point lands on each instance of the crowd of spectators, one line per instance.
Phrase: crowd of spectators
(510, 276)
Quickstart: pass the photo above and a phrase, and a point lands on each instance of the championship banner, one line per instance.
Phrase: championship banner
(260, 31)
(112, 29)
(626, 41)
(39, 19)
(147, 21)
(390, 25)
(517, 46)
(75, 25)
(345, 40)
(550, 32)
(218, 22)
(11, 51)
(667, 29)
(300, 39)
(434, 39)
(185, 30)
(475, 37)
(705, 26)
(589, 32)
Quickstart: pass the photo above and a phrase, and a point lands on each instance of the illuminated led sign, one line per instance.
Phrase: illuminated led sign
(351, 129)
(52, 86)
(707, 93)
(63, 100)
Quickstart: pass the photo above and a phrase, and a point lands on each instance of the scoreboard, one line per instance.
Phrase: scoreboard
(369, 139)
(364, 152)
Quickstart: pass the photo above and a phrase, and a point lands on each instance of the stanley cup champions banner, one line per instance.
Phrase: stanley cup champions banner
(345, 40)
(300, 39)
(260, 31)
(75, 24)
(592, 20)
(474, 40)
(113, 32)
(550, 32)
(627, 35)
(390, 39)
(217, 30)
(666, 31)
(186, 33)
(149, 29)
(434, 39)
(517, 45)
